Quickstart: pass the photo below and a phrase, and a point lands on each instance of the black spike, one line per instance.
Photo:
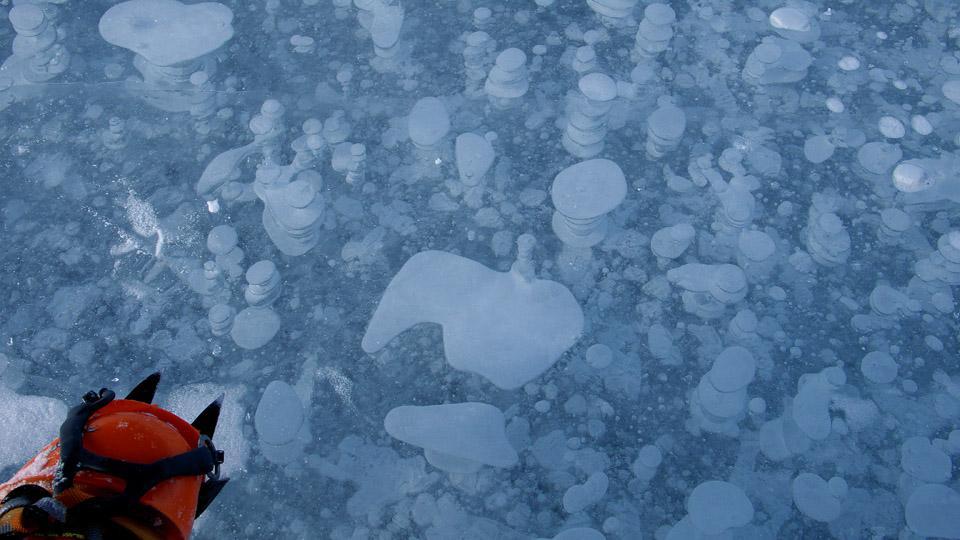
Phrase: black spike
(145, 391)
(206, 421)
(208, 492)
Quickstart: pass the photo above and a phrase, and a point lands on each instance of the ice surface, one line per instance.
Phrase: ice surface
(716, 506)
(167, 32)
(454, 436)
(189, 400)
(811, 408)
(599, 356)
(508, 77)
(612, 8)
(932, 510)
(475, 156)
(812, 496)
(818, 149)
(659, 13)
(579, 497)
(495, 324)
(741, 296)
(279, 414)
(254, 327)
(380, 474)
(923, 461)
(589, 189)
(671, 242)
(28, 424)
(579, 533)
(428, 122)
(879, 367)
(667, 122)
(70, 303)
(650, 456)
(11, 373)
(387, 24)
(733, 369)
(788, 18)
(910, 177)
(598, 87)
(951, 90)
(583, 194)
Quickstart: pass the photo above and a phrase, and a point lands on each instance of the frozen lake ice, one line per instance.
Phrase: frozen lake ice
(477, 269)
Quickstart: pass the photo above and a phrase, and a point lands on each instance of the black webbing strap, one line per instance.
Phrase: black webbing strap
(29, 508)
(71, 436)
(140, 478)
(21, 496)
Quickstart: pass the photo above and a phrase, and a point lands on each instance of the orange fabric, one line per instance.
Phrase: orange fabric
(13, 519)
(38, 471)
(138, 433)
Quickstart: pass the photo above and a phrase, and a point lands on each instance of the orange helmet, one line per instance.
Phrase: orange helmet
(125, 462)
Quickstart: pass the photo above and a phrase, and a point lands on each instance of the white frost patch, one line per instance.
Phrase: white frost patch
(188, 401)
(28, 423)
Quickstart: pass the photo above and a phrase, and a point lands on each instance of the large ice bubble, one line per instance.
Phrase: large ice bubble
(167, 32)
(457, 437)
(496, 324)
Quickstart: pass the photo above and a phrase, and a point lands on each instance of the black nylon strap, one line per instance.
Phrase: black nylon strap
(71, 437)
(24, 497)
(17, 502)
(30, 492)
(140, 478)
(37, 510)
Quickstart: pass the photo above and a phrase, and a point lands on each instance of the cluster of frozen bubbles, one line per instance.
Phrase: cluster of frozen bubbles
(686, 267)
